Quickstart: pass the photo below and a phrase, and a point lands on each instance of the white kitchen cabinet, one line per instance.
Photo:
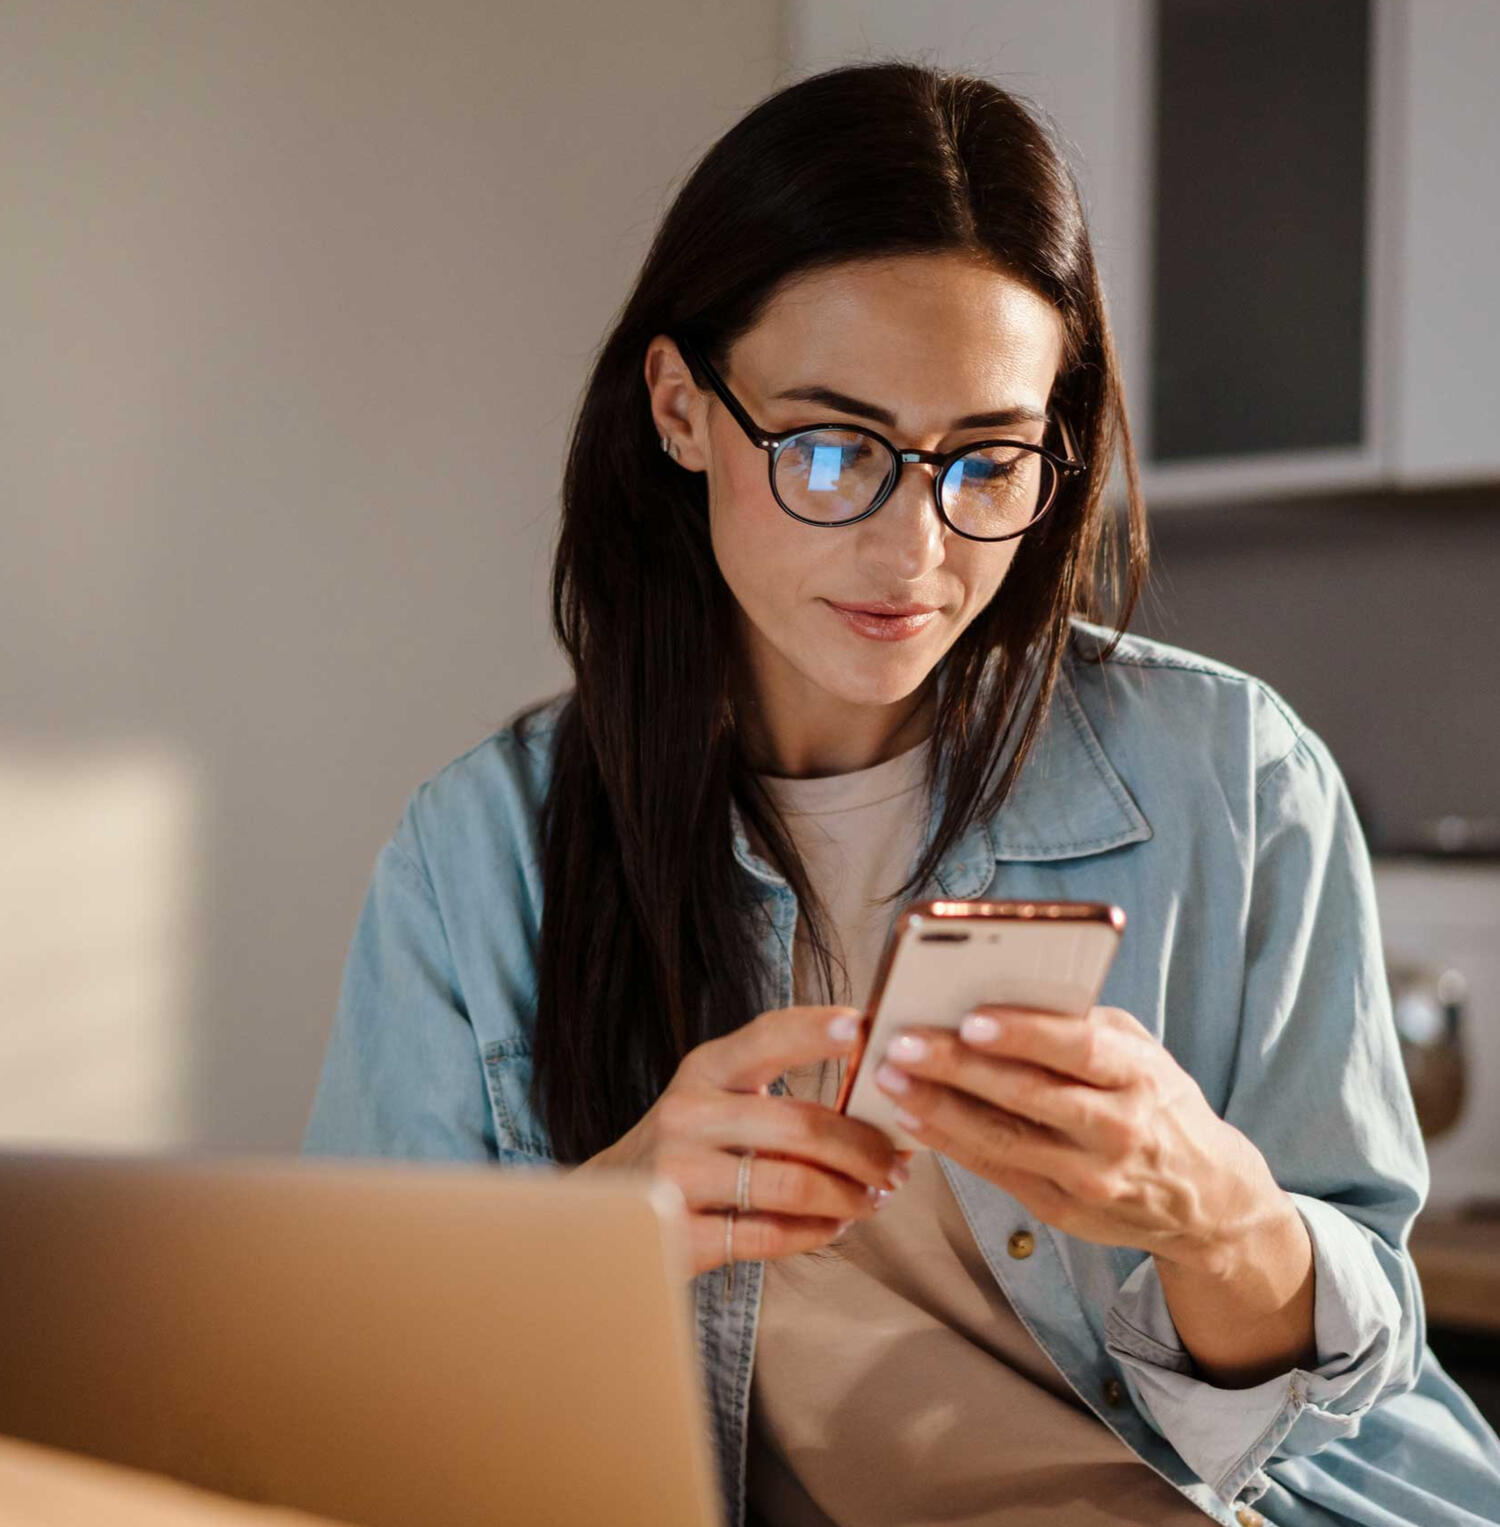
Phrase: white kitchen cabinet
(1429, 410)
(1444, 231)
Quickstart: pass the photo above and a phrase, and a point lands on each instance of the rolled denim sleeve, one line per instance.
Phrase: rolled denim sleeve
(1320, 1089)
(402, 1074)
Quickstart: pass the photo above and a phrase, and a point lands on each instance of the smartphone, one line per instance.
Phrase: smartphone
(945, 957)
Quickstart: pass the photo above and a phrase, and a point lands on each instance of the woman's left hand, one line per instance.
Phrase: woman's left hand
(1093, 1126)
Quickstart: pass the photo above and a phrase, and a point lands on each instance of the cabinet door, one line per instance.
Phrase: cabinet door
(1259, 230)
(1266, 339)
(1443, 254)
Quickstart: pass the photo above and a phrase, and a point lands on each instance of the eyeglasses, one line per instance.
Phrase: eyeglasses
(836, 474)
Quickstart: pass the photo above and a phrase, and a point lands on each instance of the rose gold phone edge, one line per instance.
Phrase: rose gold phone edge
(1005, 911)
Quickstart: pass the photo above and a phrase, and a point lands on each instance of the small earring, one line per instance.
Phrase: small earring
(669, 447)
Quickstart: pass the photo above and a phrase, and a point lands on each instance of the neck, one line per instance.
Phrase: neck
(819, 740)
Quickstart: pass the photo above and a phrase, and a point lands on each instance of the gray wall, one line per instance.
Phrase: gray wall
(297, 303)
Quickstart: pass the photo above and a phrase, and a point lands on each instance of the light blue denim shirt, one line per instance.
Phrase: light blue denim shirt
(1189, 794)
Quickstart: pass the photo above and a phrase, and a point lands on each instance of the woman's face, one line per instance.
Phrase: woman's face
(911, 344)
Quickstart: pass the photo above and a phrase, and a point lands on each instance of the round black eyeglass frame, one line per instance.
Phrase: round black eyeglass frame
(942, 460)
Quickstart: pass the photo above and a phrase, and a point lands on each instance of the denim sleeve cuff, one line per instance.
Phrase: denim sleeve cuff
(1226, 1436)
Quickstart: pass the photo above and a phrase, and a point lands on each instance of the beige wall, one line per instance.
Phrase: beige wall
(296, 299)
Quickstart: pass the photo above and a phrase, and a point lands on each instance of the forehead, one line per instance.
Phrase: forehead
(932, 337)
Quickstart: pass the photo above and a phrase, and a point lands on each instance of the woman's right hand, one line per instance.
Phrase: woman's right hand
(814, 1170)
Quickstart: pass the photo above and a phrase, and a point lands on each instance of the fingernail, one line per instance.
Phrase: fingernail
(908, 1047)
(844, 1027)
(881, 1197)
(888, 1076)
(907, 1120)
(979, 1028)
(899, 1174)
(844, 1224)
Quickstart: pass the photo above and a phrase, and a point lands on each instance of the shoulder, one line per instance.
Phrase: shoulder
(1153, 704)
(489, 797)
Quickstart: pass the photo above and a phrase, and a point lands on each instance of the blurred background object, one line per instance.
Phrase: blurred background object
(1428, 1007)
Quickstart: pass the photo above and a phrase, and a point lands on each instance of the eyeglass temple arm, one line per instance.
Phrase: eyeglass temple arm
(1073, 463)
(691, 352)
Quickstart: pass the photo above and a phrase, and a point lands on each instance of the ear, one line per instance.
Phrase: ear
(678, 408)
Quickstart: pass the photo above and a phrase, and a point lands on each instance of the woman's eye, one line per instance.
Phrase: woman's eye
(987, 471)
(846, 453)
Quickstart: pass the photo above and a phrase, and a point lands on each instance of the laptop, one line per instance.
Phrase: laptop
(390, 1344)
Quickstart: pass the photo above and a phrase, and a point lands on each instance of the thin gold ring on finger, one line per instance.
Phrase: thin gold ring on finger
(742, 1200)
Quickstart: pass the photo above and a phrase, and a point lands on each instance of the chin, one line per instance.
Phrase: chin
(883, 684)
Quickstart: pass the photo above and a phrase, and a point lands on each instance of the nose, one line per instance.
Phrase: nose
(905, 535)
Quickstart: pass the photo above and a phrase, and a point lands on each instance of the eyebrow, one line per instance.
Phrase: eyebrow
(841, 401)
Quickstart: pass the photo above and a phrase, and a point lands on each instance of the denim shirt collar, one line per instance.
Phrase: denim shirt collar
(1068, 801)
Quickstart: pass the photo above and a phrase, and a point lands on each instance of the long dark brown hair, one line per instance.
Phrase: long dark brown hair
(650, 941)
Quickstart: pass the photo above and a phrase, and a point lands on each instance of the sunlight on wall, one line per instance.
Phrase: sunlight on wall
(98, 881)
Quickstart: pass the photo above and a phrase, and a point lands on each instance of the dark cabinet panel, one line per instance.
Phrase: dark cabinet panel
(1259, 260)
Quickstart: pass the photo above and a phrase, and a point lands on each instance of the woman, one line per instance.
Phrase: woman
(1147, 1268)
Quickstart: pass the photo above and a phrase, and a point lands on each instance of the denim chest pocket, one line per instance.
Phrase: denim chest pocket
(507, 1075)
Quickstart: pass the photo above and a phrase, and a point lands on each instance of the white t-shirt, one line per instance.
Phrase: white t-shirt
(892, 1381)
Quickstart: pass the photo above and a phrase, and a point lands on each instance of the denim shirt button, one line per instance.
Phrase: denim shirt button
(1248, 1516)
(1021, 1244)
(1114, 1393)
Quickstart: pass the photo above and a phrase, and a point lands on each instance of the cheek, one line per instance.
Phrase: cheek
(755, 543)
(983, 570)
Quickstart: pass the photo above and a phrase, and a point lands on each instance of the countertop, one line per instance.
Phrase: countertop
(1458, 1259)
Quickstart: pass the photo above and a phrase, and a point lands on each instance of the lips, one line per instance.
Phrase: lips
(883, 607)
(883, 621)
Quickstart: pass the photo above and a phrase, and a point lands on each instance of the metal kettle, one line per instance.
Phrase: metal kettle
(1428, 1004)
